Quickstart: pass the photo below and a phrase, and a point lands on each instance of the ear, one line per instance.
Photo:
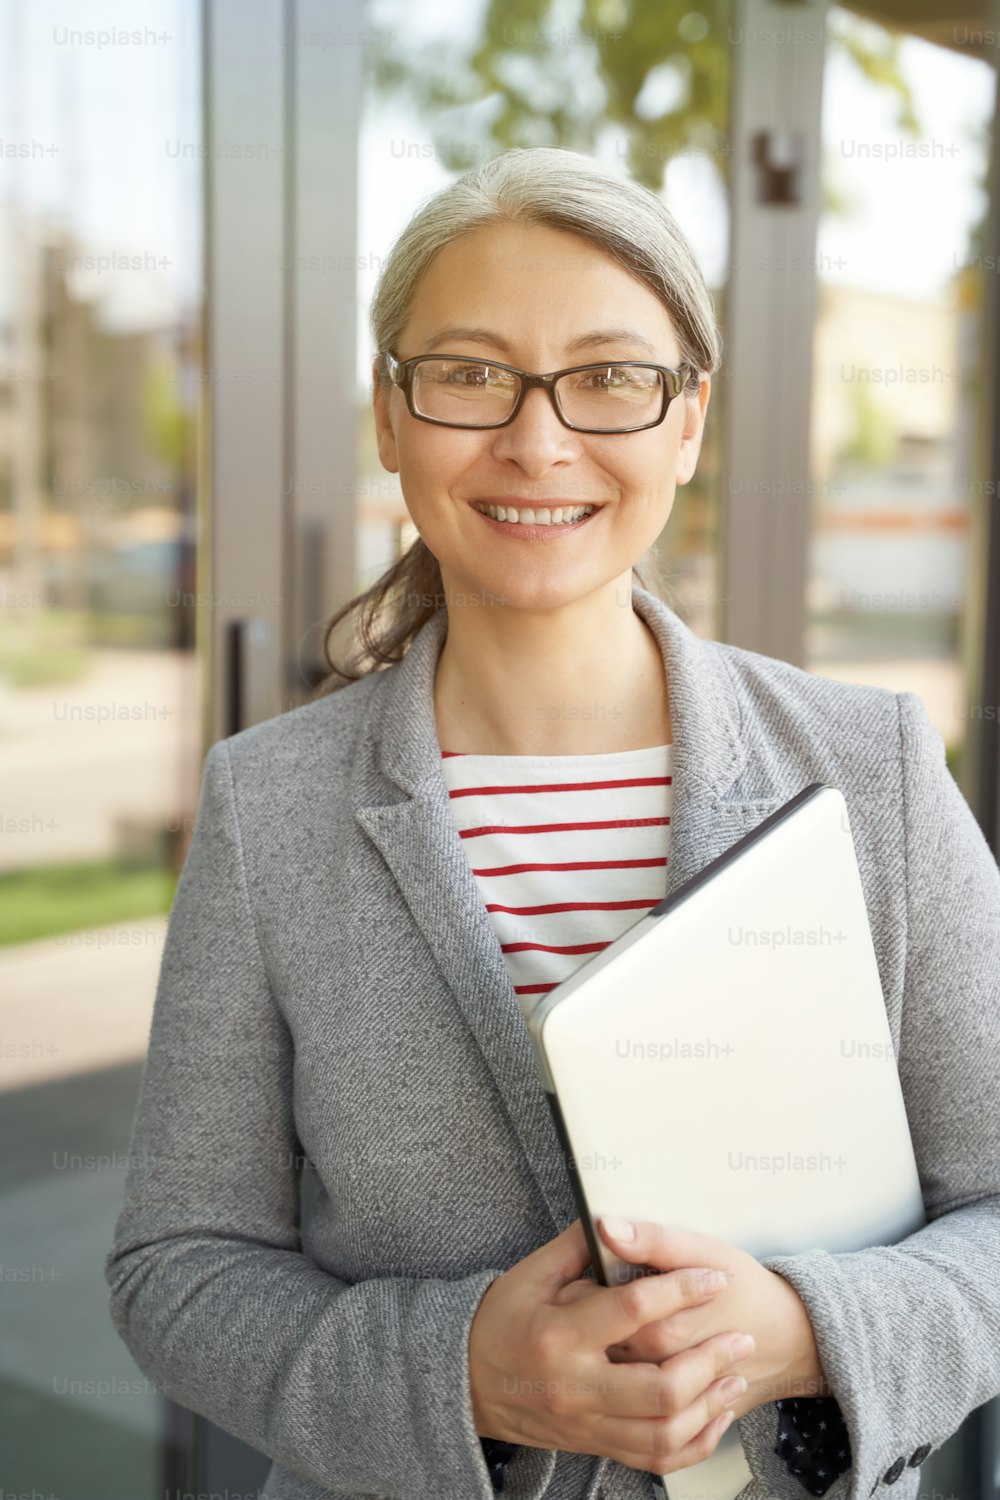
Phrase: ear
(385, 436)
(695, 407)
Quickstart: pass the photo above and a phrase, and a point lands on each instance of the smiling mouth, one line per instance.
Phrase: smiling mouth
(536, 515)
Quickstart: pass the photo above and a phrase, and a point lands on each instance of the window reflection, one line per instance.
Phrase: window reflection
(100, 230)
(897, 372)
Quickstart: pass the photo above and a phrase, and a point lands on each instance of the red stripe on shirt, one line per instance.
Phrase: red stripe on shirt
(553, 947)
(554, 906)
(582, 864)
(560, 786)
(474, 833)
(542, 935)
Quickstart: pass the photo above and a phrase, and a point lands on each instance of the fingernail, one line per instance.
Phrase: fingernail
(619, 1229)
(742, 1345)
(711, 1277)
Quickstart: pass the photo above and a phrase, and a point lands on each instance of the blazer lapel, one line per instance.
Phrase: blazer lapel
(417, 837)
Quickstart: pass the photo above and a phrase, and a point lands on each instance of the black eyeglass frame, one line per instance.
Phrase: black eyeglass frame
(672, 384)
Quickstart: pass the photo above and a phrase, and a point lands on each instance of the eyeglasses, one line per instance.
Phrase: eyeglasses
(455, 391)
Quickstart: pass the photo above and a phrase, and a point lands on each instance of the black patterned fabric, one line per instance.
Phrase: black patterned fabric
(813, 1441)
(497, 1453)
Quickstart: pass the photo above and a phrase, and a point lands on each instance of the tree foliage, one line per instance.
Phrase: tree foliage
(564, 72)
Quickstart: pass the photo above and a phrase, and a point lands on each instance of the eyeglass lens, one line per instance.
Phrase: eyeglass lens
(472, 392)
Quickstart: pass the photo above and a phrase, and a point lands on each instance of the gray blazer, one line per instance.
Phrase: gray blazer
(332, 996)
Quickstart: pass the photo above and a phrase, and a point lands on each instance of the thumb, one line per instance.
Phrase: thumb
(575, 1291)
(560, 1260)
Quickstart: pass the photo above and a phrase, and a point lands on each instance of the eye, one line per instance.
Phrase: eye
(612, 378)
(473, 375)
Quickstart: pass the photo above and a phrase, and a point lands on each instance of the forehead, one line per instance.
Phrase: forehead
(534, 284)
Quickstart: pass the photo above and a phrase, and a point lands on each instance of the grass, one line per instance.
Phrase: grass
(56, 646)
(54, 899)
(49, 650)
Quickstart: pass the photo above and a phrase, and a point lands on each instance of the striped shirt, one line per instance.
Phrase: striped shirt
(569, 851)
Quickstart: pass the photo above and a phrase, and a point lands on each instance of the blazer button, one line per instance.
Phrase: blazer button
(892, 1474)
(918, 1456)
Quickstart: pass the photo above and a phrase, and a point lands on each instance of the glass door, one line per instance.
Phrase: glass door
(900, 353)
(100, 357)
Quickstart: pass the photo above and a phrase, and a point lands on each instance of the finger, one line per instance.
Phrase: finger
(574, 1291)
(695, 1371)
(652, 1459)
(666, 1337)
(667, 1246)
(647, 1346)
(619, 1311)
(656, 1342)
(657, 1391)
(657, 1443)
(558, 1261)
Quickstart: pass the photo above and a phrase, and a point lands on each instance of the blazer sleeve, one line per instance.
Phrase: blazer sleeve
(909, 1334)
(356, 1387)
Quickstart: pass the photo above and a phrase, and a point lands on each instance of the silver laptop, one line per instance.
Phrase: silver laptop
(727, 1064)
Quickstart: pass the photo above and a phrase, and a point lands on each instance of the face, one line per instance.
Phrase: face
(533, 293)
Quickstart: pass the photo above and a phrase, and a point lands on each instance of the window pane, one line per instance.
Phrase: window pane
(100, 230)
(898, 346)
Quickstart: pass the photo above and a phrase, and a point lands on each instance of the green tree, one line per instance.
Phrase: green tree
(874, 441)
(560, 72)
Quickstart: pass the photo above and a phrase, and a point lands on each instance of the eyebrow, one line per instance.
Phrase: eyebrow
(585, 341)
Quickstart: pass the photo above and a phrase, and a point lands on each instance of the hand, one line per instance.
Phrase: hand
(540, 1376)
(786, 1360)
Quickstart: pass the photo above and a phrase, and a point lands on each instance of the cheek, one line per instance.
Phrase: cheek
(437, 457)
(645, 465)
(435, 475)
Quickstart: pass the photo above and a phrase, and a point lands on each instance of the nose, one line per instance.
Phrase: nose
(536, 439)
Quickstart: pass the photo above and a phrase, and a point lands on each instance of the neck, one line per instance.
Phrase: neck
(585, 678)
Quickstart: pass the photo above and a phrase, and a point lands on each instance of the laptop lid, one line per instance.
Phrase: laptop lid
(727, 1064)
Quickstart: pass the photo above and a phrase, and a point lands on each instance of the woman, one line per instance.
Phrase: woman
(373, 878)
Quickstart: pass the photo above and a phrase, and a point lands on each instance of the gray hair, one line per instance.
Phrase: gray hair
(564, 190)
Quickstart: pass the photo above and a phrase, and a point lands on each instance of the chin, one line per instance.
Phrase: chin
(540, 594)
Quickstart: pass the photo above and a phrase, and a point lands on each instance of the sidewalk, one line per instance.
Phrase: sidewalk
(120, 743)
(78, 1002)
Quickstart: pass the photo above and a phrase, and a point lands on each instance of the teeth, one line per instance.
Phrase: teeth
(561, 516)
